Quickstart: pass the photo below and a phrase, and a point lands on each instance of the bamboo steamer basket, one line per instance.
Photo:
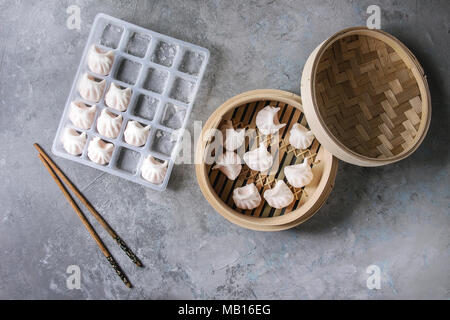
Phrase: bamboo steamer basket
(366, 97)
(217, 189)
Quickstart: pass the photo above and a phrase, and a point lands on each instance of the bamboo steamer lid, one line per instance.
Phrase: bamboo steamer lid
(366, 97)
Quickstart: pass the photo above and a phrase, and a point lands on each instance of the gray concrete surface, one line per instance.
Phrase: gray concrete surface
(396, 217)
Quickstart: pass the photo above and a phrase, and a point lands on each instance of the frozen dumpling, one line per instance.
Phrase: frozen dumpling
(153, 171)
(81, 115)
(259, 159)
(300, 137)
(100, 151)
(73, 142)
(109, 124)
(229, 163)
(90, 89)
(118, 98)
(233, 138)
(299, 175)
(267, 121)
(247, 197)
(279, 196)
(135, 134)
(100, 61)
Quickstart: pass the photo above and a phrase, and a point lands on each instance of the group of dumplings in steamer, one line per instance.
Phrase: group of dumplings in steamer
(229, 162)
(259, 159)
(108, 123)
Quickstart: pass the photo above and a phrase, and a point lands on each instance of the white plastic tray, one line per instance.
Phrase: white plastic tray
(177, 68)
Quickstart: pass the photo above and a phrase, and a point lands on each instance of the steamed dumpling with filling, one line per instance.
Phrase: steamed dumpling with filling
(259, 159)
(135, 134)
(299, 175)
(247, 198)
(73, 142)
(229, 163)
(267, 121)
(91, 89)
(233, 138)
(154, 171)
(100, 151)
(300, 137)
(118, 98)
(100, 61)
(81, 115)
(280, 196)
(109, 124)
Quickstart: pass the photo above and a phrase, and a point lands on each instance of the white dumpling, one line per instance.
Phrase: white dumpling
(109, 124)
(90, 89)
(299, 175)
(300, 137)
(153, 171)
(259, 159)
(279, 196)
(81, 115)
(100, 151)
(135, 134)
(233, 138)
(100, 61)
(118, 98)
(229, 163)
(73, 142)
(247, 197)
(267, 121)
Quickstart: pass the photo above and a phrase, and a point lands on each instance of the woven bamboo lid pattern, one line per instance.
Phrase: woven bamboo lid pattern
(366, 97)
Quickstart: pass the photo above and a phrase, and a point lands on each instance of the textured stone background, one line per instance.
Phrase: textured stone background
(396, 217)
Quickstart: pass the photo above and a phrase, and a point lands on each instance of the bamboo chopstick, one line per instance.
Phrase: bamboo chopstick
(94, 212)
(85, 222)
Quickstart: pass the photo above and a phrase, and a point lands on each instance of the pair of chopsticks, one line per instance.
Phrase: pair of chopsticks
(58, 175)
